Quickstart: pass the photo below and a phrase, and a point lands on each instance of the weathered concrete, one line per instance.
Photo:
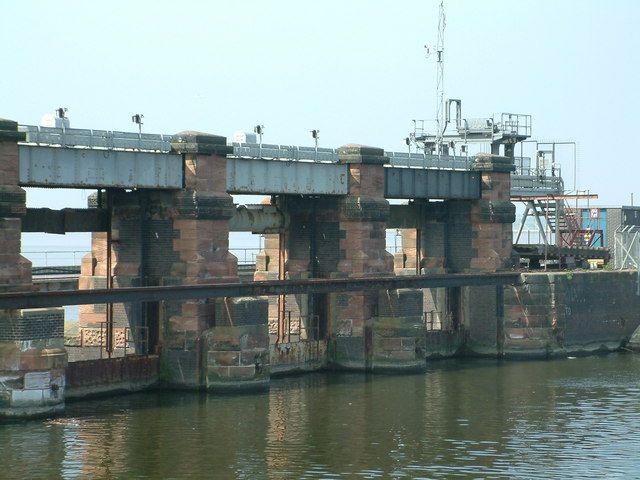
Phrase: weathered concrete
(298, 357)
(570, 313)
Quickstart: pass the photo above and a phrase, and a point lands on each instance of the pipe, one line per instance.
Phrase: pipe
(258, 219)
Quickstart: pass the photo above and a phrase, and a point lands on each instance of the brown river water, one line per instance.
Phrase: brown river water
(570, 418)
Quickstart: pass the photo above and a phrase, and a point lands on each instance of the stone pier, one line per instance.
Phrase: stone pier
(370, 330)
(32, 354)
(490, 218)
(458, 236)
(181, 237)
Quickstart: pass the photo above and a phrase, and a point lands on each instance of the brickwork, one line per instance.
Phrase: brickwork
(15, 270)
(491, 218)
(362, 245)
(173, 238)
(493, 215)
(267, 268)
(465, 236)
(200, 214)
(431, 233)
(366, 327)
(32, 324)
(32, 355)
(237, 357)
(311, 222)
(530, 322)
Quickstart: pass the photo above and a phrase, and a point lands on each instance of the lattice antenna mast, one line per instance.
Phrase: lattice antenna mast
(440, 77)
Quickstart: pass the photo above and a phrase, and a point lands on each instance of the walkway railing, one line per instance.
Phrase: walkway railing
(114, 140)
(50, 258)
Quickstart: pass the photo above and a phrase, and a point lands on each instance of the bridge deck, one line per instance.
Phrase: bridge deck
(80, 158)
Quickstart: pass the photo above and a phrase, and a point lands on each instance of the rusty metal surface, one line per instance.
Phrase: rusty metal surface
(257, 219)
(431, 183)
(272, 287)
(112, 370)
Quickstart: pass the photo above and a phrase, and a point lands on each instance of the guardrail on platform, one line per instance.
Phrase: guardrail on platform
(115, 140)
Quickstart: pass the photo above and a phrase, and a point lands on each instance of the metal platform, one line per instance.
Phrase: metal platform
(553, 252)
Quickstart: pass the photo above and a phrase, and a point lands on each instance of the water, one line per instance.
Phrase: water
(462, 419)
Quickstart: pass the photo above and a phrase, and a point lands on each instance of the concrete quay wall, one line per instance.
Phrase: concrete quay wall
(546, 315)
(570, 313)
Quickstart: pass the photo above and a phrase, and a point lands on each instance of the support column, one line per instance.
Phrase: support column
(127, 235)
(32, 354)
(491, 218)
(220, 344)
(371, 330)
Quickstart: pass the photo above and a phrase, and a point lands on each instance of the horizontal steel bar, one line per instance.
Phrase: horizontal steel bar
(551, 196)
(252, 289)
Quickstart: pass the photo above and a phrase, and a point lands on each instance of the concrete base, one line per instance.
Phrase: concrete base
(32, 362)
(347, 353)
(397, 354)
(398, 332)
(180, 369)
(570, 313)
(226, 386)
(236, 358)
(298, 357)
(444, 343)
(31, 412)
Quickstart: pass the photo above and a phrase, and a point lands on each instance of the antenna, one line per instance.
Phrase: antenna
(440, 78)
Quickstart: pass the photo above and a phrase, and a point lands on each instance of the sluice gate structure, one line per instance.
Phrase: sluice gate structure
(160, 276)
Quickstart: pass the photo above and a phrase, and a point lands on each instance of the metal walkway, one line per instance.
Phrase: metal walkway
(82, 158)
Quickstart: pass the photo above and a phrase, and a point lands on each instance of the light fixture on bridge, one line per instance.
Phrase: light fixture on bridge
(407, 142)
(316, 136)
(138, 119)
(259, 130)
(61, 120)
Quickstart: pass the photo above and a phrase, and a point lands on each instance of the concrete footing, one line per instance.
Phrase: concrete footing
(32, 375)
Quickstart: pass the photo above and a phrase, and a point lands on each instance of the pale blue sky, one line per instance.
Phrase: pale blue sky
(355, 70)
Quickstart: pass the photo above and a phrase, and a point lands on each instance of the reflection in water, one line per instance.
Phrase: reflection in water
(464, 419)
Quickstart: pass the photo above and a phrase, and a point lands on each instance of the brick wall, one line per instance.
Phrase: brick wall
(15, 270)
(33, 324)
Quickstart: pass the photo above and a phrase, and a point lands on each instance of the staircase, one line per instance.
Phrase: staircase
(561, 219)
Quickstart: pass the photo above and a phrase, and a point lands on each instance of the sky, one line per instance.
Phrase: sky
(355, 70)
